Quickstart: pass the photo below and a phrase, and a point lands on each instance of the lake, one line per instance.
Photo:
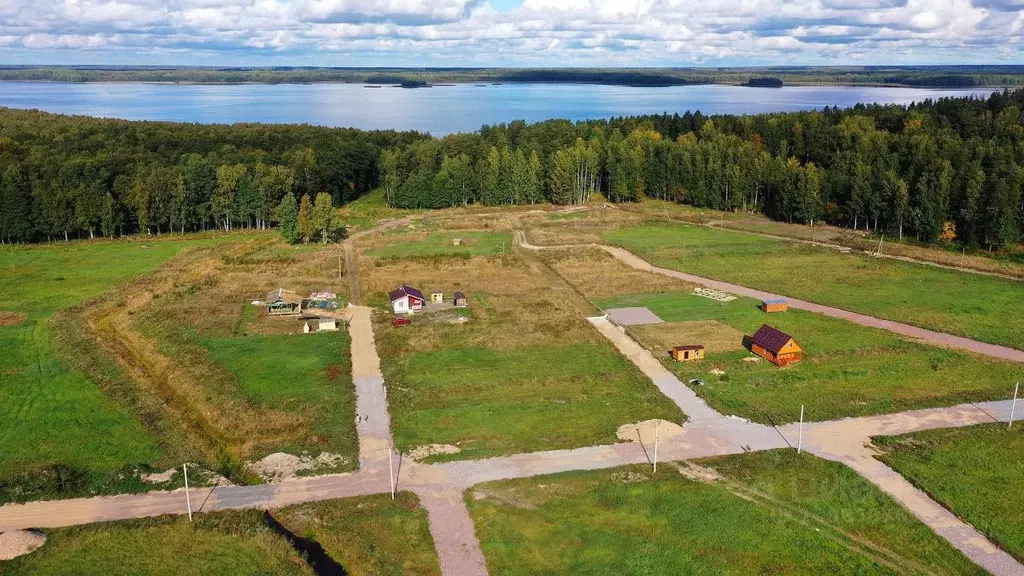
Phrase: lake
(438, 110)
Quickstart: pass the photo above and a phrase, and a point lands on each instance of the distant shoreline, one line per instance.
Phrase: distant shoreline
(952, 77)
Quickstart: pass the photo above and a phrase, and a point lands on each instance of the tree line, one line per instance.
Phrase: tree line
(934, 171)
(65, 177)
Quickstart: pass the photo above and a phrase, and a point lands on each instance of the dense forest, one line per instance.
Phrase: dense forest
(935, 171)
(921, 76)
(945, 170)
(73, 177)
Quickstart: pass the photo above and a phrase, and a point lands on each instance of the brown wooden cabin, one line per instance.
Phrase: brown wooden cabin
(688, 353)
(459, 299)
(775, 346)
(775, 305)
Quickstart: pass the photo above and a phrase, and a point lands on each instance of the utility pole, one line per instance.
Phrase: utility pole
(391, 472)
(188, 499)
(657, 426)
(339, 266)
(1013, 406)
(800, 439)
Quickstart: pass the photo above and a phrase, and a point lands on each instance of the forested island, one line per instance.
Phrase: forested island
(950, 170)
(918, 76)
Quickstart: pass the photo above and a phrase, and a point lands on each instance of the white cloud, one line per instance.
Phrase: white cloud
(540, 32)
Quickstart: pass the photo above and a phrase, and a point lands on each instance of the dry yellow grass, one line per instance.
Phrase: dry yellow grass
(715, 336)
(598, 274)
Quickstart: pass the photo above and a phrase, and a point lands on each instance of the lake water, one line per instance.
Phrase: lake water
(438, 110)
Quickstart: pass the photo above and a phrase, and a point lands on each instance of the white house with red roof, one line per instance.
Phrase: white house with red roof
(406, 300)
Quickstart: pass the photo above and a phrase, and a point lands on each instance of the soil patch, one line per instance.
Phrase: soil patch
(428, 450)
(645, 431)
(19, 542)
(11, 318)
(280, 466)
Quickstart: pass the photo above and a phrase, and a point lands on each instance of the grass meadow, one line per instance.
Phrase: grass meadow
(473, 243)
(977, 472)
(221, 543)
(847, 370)
(368, 536)
(768, 513)
(55, 418)
(970, 305)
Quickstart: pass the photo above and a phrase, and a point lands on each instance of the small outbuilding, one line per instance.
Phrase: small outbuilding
(775, 346)
(688, 353)
(406, 300)
(320, 325)
(456, 241)
(283, 302)
(775, 305)
(459, 300)
(437, 297)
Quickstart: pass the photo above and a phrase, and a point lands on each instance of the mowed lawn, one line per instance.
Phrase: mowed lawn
(222, 543)
(368, 536)
(977, 472)
(50, 414)
(498, 402)
(473, 243)
(306, 375)
(771, 513)
(847, 370)
(971, 305)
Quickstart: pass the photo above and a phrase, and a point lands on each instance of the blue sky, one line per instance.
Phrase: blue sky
(512, 32)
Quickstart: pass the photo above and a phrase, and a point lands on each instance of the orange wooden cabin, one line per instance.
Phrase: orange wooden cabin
(775, 346)
(775, 305)
(689, 353)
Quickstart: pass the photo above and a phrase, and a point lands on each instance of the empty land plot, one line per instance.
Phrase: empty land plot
(248, 395)
(527, 373)
(970, 305)
(217, 543)
(847, 370)
(471, 243)
(598, 274)
(770, 514)
(976, 472)
(55, 415)
(368, 536)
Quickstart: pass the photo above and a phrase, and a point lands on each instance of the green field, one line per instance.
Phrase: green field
(491, 402)
(368, 536)
(971, 305)
(440, 244)
(977, 472)
(307, 375)
(54, 416)
(222, 543)
(848, 370)
(774, 513)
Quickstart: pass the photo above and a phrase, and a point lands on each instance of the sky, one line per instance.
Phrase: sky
(560, 33)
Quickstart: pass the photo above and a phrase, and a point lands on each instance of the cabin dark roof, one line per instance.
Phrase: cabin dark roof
(690, 347)
(770, 339)
(459, 296)
(282, 295)
(403, 291)
(775, 301)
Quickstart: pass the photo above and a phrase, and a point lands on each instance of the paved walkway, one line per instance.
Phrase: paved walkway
(373, 422)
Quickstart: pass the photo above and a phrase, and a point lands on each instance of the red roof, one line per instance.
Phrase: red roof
(403, 291)
(770, 339)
